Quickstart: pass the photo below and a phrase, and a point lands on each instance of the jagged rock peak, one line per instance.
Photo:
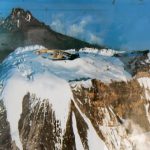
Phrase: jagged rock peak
(19, 13)
(19, 19)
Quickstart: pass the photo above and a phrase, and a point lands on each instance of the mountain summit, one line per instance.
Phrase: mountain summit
(20, 19)
(21, 28)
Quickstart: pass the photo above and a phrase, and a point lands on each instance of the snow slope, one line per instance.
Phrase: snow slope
(91, 64)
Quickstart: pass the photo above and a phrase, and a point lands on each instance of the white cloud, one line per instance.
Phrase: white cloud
(95, 39)
(139, 138)
(78, 29)
(57, 24)
(75, 30)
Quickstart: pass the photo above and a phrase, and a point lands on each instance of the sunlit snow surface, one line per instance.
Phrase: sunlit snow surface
(91, 64)
(24, 71)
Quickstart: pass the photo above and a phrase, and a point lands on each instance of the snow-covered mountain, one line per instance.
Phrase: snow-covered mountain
(98, 101)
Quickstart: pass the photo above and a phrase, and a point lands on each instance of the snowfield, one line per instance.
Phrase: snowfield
(91, 64)
(23, 71)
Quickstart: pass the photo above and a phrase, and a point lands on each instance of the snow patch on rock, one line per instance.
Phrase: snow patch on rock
(145, 83)
(94, 141)
(78, 142)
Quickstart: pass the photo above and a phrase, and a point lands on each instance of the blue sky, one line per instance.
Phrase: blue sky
(125, 25)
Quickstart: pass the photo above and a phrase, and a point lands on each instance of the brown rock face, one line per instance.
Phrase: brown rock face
(5, 138)
(135, 62)
(124, 97)
(39, 129)
(114, 106)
